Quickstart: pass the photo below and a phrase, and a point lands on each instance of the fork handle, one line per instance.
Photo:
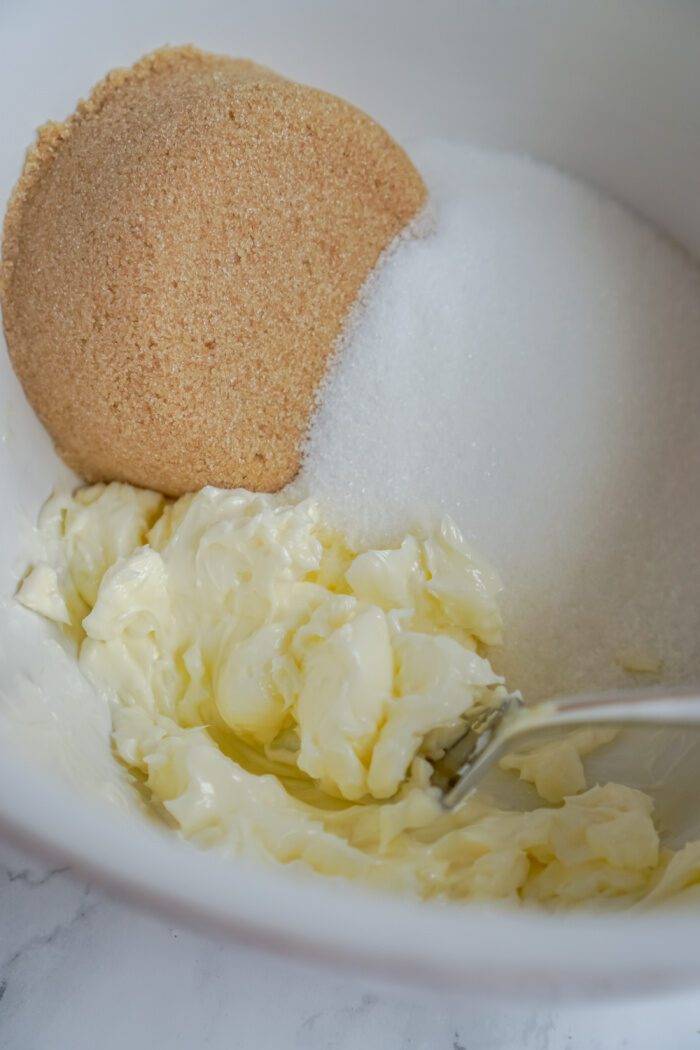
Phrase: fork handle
(655, 706)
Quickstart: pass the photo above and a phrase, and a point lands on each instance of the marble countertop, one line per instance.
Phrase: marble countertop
(80, 971)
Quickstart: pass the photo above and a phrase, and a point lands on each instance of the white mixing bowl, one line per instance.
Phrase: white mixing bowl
(608, 91)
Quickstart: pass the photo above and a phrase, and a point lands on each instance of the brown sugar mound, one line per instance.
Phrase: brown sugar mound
(178, 261)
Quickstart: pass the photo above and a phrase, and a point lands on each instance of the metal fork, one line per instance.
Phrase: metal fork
(499, 730)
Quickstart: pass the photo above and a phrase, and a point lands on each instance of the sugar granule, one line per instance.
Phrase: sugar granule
(531, 368)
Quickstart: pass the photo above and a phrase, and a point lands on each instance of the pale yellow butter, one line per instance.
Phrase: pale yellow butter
(280, 692)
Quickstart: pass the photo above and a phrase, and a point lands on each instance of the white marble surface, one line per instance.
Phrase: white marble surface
(79, 971)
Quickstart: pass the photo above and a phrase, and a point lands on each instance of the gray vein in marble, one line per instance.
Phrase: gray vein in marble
(26, 875)
(42, 940)
(366, 1003)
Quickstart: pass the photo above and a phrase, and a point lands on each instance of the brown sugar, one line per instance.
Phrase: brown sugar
(178, 260)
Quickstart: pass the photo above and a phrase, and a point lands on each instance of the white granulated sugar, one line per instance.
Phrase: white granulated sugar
(532, 367)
